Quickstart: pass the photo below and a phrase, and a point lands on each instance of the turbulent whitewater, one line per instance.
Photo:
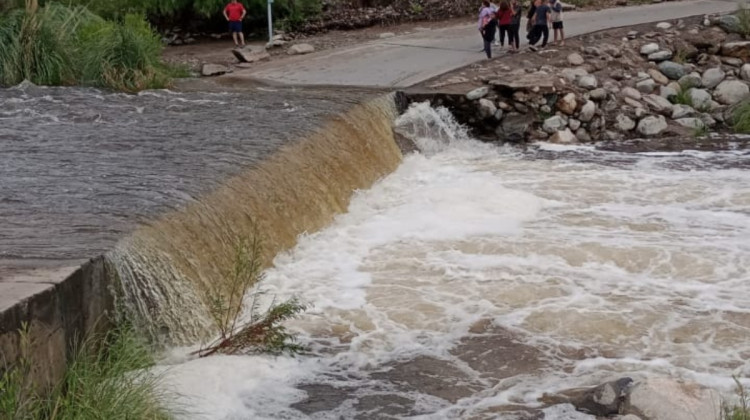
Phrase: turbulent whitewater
(474, 279)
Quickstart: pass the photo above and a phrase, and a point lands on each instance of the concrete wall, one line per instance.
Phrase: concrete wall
(58, 313)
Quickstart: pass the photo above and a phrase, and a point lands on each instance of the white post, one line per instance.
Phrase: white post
(270, 22)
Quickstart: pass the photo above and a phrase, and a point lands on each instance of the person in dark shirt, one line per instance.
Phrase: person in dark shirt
(541, 25)
(487, 27)
(515, 23)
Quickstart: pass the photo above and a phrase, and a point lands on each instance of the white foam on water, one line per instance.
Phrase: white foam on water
(608, 270)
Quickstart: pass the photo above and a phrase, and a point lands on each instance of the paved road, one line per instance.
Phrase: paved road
(410, 59)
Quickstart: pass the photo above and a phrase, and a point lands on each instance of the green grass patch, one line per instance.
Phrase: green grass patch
(682, 97)
(108, 378)
(741, 409)
(741, 118)
(743, 14)
(62, 45)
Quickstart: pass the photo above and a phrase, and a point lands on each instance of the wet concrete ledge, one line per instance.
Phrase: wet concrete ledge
(56, 307)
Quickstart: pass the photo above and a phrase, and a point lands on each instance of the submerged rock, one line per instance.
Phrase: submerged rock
(667, 399)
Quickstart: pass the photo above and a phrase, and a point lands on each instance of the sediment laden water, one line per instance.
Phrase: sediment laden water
(473, 279)
(167, 267)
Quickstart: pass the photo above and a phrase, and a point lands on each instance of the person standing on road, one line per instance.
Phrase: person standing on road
(541, 25)
(504, 19)
(234, 12)
(487, 27)
(557, 21)
(515, 23)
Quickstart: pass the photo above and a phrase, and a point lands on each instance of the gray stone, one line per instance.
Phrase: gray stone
(514, 127)
(602, 401)
(663, 26)
(695, 123)
(692, 80)
(737, 49)
(553, 124)
(575, 59)
(572, 74)
(633, 103)
(624, 123)
(251, 54)
(587, 111)
(598, 94)
(660, 55)
(563, 137)
(682, 111)
(732, 61)
(649, 48)
(729, 92)
(712, 77)
(574, 124)
(611, 87)
(478, 93)
(632, 34)
(708, 119)
(640, 113)
(672, 70)
(667, 399)
(646, 86)
(658, 76)
(631, 93)
(521, 107)
(658, 104)
(730, 24)
(385, 35)
(582, 135)
(652, 125)
(700, 98)
(567, 104)
(587, 82)
(487, 108)
(667, 92)
(499, 114)
(745, 72)
(213, 70)
(300, 49)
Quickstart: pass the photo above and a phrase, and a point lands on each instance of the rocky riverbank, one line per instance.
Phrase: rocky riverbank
(651, 87)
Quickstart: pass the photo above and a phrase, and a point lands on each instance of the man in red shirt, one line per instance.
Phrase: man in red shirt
(234, 13)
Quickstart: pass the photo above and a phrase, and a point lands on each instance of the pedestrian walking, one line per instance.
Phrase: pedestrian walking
(504, 20)
(557, 21)
(541, 25)
(487, 27)
(515, 23)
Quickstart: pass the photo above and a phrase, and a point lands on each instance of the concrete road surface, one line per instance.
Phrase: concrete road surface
(410, 59)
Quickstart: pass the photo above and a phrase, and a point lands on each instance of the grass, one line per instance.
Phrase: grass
(741, 118)
(263, 332)
(68, 45)
(107, 378)
(680, 56)
(743, 14)
(683, 97)
(740, 410)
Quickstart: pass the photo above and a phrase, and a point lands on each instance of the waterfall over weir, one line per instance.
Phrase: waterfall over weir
(164, 267)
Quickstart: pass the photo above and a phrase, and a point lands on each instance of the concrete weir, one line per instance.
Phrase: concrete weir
(160, 264)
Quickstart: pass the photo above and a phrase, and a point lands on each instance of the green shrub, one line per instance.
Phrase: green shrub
(744, 16)
(740, 410)
(108, 378)
(741, 118)
(683, 97)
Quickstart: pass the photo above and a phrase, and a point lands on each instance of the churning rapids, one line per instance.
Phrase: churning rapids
(474, 279)
(465, 284)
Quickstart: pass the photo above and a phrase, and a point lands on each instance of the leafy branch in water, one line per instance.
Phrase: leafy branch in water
(264, 331)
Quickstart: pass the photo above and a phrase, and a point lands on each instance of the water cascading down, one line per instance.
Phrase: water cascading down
(165, 268)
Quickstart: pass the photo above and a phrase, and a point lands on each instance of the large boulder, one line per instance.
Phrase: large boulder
(667, 399)
(567, 104)
(652, 125)
(587, 111)
(712, 77)
(487, 108)
(514, 127)
(563, 137)
(553, 124)
(213, 70)
(700, 98)
(251, 54)
(737, 49)
(672, 70)
(477, 93)
(624, 123)
(730, 92)
(603, 401)
(745, 72)
(658, 104)
(300, 49)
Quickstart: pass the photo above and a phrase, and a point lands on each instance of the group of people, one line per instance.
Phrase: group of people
(505, 19)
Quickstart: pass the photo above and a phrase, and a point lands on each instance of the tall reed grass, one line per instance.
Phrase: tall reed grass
(108, 378)
(66, 45)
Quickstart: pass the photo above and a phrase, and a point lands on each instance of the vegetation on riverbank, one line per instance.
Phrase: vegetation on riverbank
(69, 45)
(108, 378)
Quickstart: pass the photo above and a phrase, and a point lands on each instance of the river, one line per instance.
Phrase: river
(475, 278)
